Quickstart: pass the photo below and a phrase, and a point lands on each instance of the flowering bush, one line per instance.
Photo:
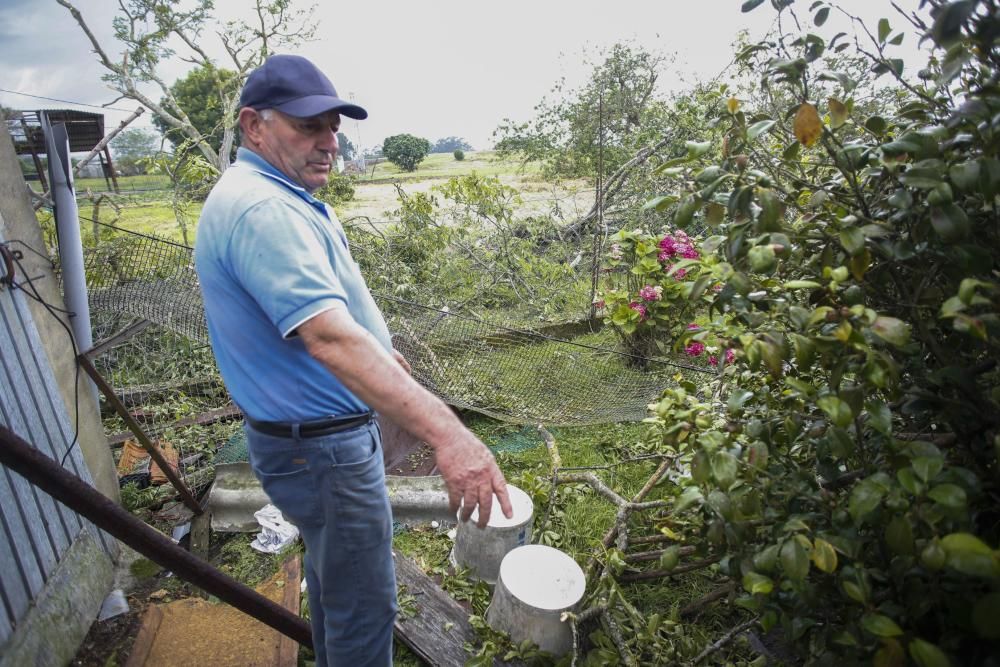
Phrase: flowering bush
(659, 282)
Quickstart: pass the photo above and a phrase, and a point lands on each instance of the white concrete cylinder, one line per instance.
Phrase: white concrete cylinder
(481, 549)
(536, 585)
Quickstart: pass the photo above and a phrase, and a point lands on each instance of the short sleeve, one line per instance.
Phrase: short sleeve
(281, 261)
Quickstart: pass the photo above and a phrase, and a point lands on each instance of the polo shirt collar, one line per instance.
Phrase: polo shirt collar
(250, 159)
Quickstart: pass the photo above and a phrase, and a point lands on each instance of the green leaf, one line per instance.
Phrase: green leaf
(876, 125)
(697, 148)
(950, 222)
(724, 469)
(750, 5)
(766, 559)
(853, 240)
(947, 27)
(891, 330)
(865, 497)
(670, 557)
(759, 128)
(924, 178)
(908, 480)
(794, 560)
(737, 399)
(880, 626)
(899, 536)
(965, 175)
(837, 410)
(879, 417)
(823, 556)
(821, 16)
(685, 211)
(883, 29)
(926, 654)
(659, 203)
(855, 592)
(689, 497)
(969, 555)
(762, 258)
(801, 284)
(755, 583)
(949, 495)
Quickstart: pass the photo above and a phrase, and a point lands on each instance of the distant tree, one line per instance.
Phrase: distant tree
(617, 103)
(405, 150)
(132, 148)
(152, 31)
(347, 149)
(203, 94)
(450, 144)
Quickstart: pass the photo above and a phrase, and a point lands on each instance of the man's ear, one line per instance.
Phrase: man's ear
(250, 124)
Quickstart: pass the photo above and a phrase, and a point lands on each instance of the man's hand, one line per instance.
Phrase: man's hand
(472, 476)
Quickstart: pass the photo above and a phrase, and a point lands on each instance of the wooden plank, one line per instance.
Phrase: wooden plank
(440, 626)
(144, 640)
(228, 413)
(288, 648)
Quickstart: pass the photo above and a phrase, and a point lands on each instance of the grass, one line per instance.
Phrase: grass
(444, 165)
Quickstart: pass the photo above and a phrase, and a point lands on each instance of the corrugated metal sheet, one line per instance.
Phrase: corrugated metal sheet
(36, 529)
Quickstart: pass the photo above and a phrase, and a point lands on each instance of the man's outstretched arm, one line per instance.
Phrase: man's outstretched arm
(373, 375)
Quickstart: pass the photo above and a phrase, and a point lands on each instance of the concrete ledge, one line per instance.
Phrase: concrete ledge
(63, 612)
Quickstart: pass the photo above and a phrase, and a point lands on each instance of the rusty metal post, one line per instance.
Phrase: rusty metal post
(86, 501)
(133, 425)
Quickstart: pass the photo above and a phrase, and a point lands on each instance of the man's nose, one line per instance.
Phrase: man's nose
(328, 141)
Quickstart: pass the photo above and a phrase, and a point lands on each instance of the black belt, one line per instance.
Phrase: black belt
(313, 428)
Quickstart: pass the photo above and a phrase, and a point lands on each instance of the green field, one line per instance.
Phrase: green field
(145, 203)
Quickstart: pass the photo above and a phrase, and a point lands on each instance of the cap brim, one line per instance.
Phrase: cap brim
(314, 105)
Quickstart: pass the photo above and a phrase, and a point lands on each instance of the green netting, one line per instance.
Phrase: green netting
(235, 449)
(513, 442)
(515, 375)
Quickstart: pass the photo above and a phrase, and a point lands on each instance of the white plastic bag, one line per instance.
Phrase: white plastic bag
(275, 533)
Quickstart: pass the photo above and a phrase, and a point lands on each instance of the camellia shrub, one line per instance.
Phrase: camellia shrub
(848, 475)
(459, 154)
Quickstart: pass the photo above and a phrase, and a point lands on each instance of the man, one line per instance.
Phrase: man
(306, 354)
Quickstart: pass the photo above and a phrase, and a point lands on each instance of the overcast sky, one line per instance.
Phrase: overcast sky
(433, 68)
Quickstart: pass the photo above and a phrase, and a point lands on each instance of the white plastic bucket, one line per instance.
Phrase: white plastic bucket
(482, 549)
(536, 585)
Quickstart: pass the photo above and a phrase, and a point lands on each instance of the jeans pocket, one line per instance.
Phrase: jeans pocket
(364, 519)
(290, 483)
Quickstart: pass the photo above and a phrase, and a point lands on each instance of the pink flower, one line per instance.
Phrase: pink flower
(650, 293)
(688, 252)
(616, 251)
(695, 349)
(713, 360)
(599, 304)
(667, 245)
(680, 273)
(639, 308)
(693, 327)
(730, 356)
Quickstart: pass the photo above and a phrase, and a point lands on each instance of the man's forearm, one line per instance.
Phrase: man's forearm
(357, 359)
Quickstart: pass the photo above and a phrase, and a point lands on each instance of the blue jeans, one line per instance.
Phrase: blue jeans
(332, 488)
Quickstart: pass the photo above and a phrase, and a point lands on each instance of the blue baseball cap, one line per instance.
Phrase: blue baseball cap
(294, 86)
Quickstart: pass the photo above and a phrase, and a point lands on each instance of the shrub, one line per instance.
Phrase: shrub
(459, 154)
(847, 476)
(339, 189)
(405, 150)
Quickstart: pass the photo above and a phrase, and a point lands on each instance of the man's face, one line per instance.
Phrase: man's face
(304, 149)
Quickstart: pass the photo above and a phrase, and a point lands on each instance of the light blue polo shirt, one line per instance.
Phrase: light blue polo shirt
(269, 257)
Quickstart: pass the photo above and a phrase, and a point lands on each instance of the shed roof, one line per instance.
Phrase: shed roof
(85, 129)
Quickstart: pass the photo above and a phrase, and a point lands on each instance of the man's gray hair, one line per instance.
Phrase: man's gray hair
(267, 115)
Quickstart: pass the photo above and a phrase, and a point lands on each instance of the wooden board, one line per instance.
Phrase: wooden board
(440, 626)
(288, 648)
